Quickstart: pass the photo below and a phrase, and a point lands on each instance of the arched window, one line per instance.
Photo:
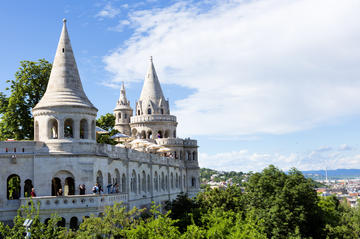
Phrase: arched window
(139, 186)
(159, 134)
(162, 181)
(174, 134)
(123, 183)
(149, 111)
(55, 186)
(176, 180)
(193, 182)
(149, 134)
(138, 112)
(172, 180)
(156, 182)
(125, 116)
(36, 131)
(93, 130)
(69, 187)
(53, 129)
(166, 183)
(194, 155)
(27, 187)
(84, 129)
(74, 223)
(68, 128)
(143, 134)
(119, 115)
(148, 183)
(133, 182)
(143, 182)
(167, 132)
(117, 177)
(99, 179)
(61, 223)
(162, 111)
(13, 187)
(184, 183)
(189, 155)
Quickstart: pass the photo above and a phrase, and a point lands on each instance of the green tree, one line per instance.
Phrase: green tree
(287, 203)
(26, 90)
(106, 122)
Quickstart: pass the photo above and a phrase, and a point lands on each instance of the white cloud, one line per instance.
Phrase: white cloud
(108, 11)
(267, 66)
(317, 159)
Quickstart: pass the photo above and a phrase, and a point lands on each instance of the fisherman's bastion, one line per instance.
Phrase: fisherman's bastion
(150, 165)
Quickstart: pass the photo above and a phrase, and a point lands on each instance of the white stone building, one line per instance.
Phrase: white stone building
(64, 153)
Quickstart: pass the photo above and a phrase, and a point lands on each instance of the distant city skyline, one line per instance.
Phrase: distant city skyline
(256, 82)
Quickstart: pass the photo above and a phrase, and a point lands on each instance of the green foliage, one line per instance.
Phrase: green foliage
(26, 90)
(14, 187)
(236, 177)
(106, 122)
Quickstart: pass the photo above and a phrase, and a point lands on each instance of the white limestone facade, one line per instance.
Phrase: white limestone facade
(64, 153)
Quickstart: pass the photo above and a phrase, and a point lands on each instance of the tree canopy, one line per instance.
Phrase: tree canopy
(26, 90)
(106, 122)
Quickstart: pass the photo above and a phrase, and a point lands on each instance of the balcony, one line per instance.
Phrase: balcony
(152, 118)
(75, 201)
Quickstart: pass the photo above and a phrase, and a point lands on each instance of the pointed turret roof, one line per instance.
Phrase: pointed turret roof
(151, 89)
(122, 103)
(64, 87)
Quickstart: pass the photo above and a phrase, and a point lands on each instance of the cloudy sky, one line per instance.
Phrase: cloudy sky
(256, 82)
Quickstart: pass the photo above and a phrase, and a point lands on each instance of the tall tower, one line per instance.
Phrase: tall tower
(153, 119)
(122, 113)
(64, 113)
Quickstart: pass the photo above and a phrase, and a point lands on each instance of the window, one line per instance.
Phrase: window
(68, 128)
(13, 187)
(162, 111)
(149, 111)
(84, 129)
(53, 129)
(125, 116)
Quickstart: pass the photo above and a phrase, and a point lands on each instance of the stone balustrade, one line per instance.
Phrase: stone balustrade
(75, 201)
(152, 118)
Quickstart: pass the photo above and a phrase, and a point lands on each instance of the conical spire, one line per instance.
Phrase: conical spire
(64, 87)
(122, 99)
(151, 89)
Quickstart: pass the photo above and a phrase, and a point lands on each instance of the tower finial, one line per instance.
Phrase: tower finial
(64, 20)
(151, 58)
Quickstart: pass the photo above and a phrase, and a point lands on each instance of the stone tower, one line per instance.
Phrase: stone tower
(64, 114)
(122, 113)
(153, 119)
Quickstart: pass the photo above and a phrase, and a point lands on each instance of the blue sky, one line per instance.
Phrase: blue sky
(256, 82)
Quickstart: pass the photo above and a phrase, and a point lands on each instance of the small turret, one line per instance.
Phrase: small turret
(123, 112)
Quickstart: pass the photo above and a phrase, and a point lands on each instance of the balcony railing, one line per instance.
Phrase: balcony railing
(152, 118)
(75, 201)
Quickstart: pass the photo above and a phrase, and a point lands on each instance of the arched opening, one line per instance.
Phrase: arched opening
(55, 186)
(143, 134)
(139, 186)
(172, 180)
(27, 187)
(149, 111)
(119, 116)
(84, 129)
(189, 155)
(167, 133)
(109, 184)
(69, 187)
(99, 178)
(159, 134)
(13, 187)
(174, 134)
(138, 112)
(46, 222)
(156, 182)
(134, 132)
(166, 183)
(36, 131)
(162, 111)
(133, 182)
(93, 130)
(117, 177)
(184, 182)
(53, 129)
(74, 224)
(162, 181)
(143, 182)
(176, 180)
(149, 134)
(125, 116)
(61, 223)
(148, 183)
(193, 182)
(123, 183)
(68, 128)
(194, 155)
